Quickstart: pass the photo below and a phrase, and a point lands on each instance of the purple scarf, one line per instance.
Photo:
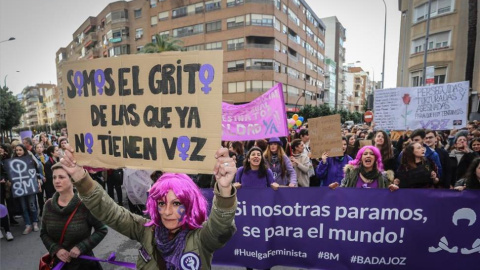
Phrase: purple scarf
(171, 250)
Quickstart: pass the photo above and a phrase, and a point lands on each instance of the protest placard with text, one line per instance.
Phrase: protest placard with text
(155, 111)
(23, 174)
(436, 107)
(325, 136)
(354, 228)
(263, 117)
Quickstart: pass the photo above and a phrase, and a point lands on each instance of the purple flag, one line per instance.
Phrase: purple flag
(264, 117)
(351, 228)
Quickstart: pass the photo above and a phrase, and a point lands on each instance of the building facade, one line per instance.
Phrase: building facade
(336, 36)
(329, 95)
(453, 43)
(357, 86)
(40, 105)
(264, 41)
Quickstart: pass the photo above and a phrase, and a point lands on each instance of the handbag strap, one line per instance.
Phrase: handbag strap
(68, 221)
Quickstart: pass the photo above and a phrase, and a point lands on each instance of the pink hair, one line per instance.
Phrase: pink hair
(378, 157)
(186, 191)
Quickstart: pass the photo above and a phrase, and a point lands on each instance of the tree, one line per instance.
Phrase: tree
(11, 111)
(162, 44)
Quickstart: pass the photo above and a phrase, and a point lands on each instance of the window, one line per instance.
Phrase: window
(213, 46)
(153, 20)
(194, 48)
(259, 64)
(238, 65)
(138, 33)
(277, 45)
(119, 50)
(139, 48)
(235, 44)
(232, 3)
(438, 7)
(436, 41)
(260, 19)
(179, 12)
(236, 87)
(117, 33)
(164, 33)
(212, 5)
(188, 30)
(137, 13)
(118, 16)
(162, 16)
(259, 86)
(416, 78)
(153, 3)
(235, 22)
(291, 90)
(293, 17)
(213, 26)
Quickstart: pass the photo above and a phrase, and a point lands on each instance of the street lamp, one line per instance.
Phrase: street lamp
(384, 41)
(5, 80)
(10, 39)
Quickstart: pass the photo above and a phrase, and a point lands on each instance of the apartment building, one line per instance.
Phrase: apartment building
(453, 43)
(264, 41)
(336, 36)
(357, 87)
(329, 95)
(39, 105)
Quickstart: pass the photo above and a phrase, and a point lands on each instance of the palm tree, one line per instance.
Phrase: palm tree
(162, 44)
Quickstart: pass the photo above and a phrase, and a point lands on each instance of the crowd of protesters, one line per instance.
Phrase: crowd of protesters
(421, 158)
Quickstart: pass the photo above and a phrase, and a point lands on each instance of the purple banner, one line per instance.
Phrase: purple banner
(351, 228)
(263, 117)
(26, 133)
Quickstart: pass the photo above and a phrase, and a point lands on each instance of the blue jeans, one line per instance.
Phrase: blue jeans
(29, 208)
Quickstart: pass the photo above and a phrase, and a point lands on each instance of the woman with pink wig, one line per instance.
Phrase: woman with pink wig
(366, 171)
(178, 235)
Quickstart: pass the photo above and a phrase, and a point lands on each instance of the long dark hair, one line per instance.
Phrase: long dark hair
(25, 151)
(386, 150)
(408, 158)
(50, 150)
(472, 181)
(262, 170)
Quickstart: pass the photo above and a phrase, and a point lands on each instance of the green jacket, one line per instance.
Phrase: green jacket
(214, 234)
(351, 177)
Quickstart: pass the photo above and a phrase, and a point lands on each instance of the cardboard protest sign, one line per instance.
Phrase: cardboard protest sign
(325, 135)
(437, 107)
(365, 143)
(23, 174)
(155, 111)
(137, 183)
(264, 117)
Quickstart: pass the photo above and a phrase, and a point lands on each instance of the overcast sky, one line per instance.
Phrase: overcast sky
(41, 27)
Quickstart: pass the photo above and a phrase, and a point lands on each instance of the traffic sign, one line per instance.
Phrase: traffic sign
(368, 117)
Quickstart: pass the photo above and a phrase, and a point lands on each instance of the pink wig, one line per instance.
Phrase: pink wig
(186, 191)
(378, 157)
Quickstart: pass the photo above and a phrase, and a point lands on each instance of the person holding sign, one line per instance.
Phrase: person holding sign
(77, 239)
(330, 169)
(178, 236)
(28, 202)
(280, 164)
(366, 171)
(254, 172)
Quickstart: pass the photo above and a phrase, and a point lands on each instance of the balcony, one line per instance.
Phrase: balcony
(92, 53)
(90, 40)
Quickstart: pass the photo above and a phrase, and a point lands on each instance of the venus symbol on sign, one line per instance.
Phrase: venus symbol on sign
(183, 145)
(19, 167)
(78, 81)
(89, 142)
(99, 80)
(206, 68)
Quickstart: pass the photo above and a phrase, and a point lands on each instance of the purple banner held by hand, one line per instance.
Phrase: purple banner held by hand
(264, 117)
